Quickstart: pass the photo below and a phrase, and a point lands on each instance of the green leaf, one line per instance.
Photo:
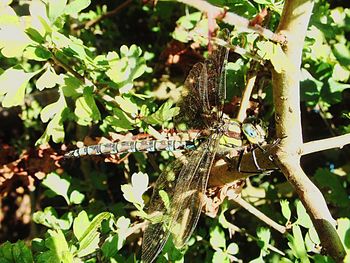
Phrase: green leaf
(110, 246)
(16, 252)
(165, 199)
(232, 249)
(220, 256)
(342, 53)
(119, 121)
(58, 249)
(58, 185)
(126, 105)
(86, 109)
(35, 35)
(128, 67)
(54, 128)
(56, 9)
(52, 109)
(13, 40)
(334, 190)
(80, 224)
(163, 114)
(13, 83)
(296, 243)
(264, 236)
(36, 53)
(217, 238)
(47, 80)
(114, 243)
(88, 242)
(303, 218)
(336, 86)
(133, 192)
(49, 218)
(76, 197)
(310, 88)
(74, 7)
(343, 231)
(285, 209)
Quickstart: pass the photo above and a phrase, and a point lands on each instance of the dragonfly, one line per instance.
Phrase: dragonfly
(178, 195)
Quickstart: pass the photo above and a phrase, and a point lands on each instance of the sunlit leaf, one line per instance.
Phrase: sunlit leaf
(88, 241)
(13, 83)
(342, 53)
(13, 40)
(58, 185)
(128, 67)
(58, 249)
(86, 109)
(56, 9)
(76, 197)
(163, 114)
(81, 222)
(74, 7)
(217, 238)
(133, 192)
(220, 256)
(47, 80)
(285, 209)
(232, 249)
(50, 219)
(36, 53)
(296, 243)
(126, 105)
(303, 218)
(53, 109)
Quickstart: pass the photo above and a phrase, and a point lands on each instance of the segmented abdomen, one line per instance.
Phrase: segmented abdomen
(134, 146)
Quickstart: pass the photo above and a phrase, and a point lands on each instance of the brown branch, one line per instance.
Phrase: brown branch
(67, 68)
(257, 213)
(325, 144)
(294, 21)
(93, 22)
(233, 19)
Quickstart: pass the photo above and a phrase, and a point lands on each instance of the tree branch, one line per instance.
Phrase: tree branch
(251, 209)
(286, 90)
(325, 144)
(234, 19)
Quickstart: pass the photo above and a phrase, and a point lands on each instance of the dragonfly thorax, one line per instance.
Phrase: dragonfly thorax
(232, 134)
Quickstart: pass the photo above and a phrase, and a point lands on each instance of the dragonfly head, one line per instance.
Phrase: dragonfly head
(254, 131)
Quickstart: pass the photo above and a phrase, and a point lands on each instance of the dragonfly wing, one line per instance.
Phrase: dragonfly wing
(189, 192)
(188, 174)
(157, 232)
(216, 70)
(205, 89)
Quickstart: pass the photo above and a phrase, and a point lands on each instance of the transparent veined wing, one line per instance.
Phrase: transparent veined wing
(205, 89)
(177, 199)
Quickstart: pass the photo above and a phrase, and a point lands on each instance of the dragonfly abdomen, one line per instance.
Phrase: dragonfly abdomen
(134, 146)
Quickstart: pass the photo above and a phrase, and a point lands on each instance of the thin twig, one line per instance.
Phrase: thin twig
(93, 22)
(67, 68)
(242, 114)
(325, 144)
(234, 19)
(251, 209)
